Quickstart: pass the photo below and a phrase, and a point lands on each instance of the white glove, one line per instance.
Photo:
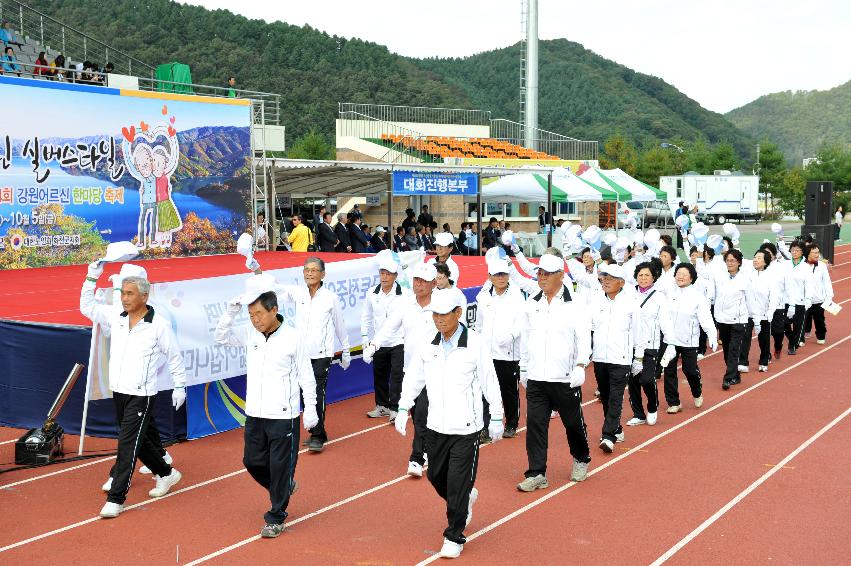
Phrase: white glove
(95, 269)
(637, 367)
(595, 255)
(234, 306)
(368, 353)
(401, 421)
(714, 345)
(577, 377)
(515, 249)
(496, 428)
(668, 355)
(807, 304)
(252, 264)
(345, 359)
(178, 397)
(790, 312)
(309, 417)
(524, 377)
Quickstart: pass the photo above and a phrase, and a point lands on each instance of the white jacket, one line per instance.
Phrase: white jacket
(498, 319)
(689, 312)
(764, 297)
(821, 289)
(731, 297)
(653, 317)
(555, 337)
(614, 323)
(705, 281)
(454, 272)
(135, 355)
(377, 309)
(318, 319)
(409, 321)
(279, 370)
(455, 383)
(797, 279)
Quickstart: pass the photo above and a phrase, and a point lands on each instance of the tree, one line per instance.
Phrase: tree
(618, 152)
(724, 157)
(699, 157)
(312, 146)
(834, 164)
(772, 167)
(654, 163)
(791, 194)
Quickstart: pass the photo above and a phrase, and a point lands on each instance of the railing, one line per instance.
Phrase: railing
(419, 114)
(54, 37)
(357, 125)
(551, 143)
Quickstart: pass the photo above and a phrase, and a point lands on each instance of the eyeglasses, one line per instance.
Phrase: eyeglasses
(312, 270)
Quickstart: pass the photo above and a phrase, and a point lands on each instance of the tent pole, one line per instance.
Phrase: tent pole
(549, 227)
(479, 236)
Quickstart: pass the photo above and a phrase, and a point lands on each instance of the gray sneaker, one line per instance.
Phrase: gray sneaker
(533, 483)
(580, 471)
(391, 415)
(272, 530)
(378, 412)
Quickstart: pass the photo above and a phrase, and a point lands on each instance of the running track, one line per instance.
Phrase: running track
(759, 474)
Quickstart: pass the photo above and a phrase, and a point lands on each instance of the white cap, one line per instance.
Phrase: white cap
(444, 301)
(498, 266)
(612, 270)
(715, 242)
(507, 237)
(388, 264)
(129, 270)
(610, 239)
(244, 245)
(380, 229)
(444, 239)
(255, 286)
(550, 263)
(424, 271)
(120, 251)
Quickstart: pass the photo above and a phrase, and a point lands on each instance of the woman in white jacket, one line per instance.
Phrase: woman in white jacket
(689, 312)
(796, 282)
(819, 292)
(731, 313)
(763, 300)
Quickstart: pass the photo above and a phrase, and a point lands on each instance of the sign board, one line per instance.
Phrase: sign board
(373, 200)
(411, 183)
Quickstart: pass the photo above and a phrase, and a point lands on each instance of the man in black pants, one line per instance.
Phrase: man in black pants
(455, 368)
(556, 347)
(278, 374)
(135, 334)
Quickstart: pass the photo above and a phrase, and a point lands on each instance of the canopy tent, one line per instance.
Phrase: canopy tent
(625, 187)
(532, 187)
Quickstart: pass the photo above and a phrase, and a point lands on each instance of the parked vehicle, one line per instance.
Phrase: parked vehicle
(720, 198)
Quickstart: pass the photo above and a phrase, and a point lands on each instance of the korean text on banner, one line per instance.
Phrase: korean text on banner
(407, 183)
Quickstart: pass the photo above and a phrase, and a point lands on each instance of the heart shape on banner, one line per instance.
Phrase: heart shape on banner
(165, 110)
(130, 134)
(172, 119)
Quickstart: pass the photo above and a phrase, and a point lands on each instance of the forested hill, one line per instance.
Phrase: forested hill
(799, 122)
(582, 94)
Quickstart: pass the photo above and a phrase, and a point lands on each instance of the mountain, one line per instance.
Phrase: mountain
(583, 95)
(798, 122)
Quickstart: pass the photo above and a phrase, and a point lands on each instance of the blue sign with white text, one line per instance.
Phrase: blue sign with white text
(408, 183)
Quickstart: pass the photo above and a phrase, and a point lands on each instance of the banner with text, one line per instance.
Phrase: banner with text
(408, 183)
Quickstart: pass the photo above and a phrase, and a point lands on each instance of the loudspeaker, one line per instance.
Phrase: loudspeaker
(818, 205)
(823, 235)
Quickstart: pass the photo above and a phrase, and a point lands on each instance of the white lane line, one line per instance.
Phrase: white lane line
(56, 473)
(8, 441)
(613, 461)
(747, 491)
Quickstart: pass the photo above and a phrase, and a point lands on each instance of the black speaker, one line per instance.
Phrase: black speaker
(818, 203)
(823, 235)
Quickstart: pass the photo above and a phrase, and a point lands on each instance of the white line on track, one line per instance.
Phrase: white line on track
(57, 472)
(636, 450)
(747, 491)
(8, 441)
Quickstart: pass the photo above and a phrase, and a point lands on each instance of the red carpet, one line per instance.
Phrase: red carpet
(52, 294)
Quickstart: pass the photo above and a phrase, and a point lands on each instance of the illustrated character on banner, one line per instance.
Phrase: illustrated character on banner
(165, 158)
(139, 159)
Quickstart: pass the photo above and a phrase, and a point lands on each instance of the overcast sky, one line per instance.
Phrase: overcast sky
(723, 53)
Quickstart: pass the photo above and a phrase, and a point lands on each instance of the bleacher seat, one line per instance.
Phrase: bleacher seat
(438, 147)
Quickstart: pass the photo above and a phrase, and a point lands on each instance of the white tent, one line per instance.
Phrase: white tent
(532, 187)
(625, 187)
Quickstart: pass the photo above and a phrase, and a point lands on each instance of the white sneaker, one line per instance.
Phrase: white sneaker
(415, 469)
(800, 344)
(451, 549)
(674, 409)
(700, 357)
(763, 368)
(651, 418)
(607, 445)
(554, 415)
(378, 412)
(635, 421)
(111, 510)
(474, 496)
(698, 401)
(620, 436)
(743, 369)
(167, 459)
(107, 485)
(165, 483)
(819, 341)
(392, 416)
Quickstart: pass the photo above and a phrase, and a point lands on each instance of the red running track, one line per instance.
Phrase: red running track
(355, 505)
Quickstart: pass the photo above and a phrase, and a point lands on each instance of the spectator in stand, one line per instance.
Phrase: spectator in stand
(356, 211)
(411, 238)
(300, 237)
(107, 69)
(424, 239)
(545, 220)
(261, 238)
(325, 236)
(342, 232)
(399, 244)
(428, 235)
(356, 235)
(231, 87)
(42, 67)
(446, 227)
(57, 68)
(377, 241)
(425, 218)
(10, 63)
(466, 240)
(492, 234)
(7, 36)
(410, 219)
(366, 232)
(318, 219)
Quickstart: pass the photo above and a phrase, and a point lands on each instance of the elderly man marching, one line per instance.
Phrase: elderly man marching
(389, 356)
(278, 373)
(455, 368)
(318, 319)
(556, 347)
(500, 309)
(615, 324)
(141, 341)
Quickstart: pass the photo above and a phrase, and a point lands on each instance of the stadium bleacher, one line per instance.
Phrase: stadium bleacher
(438, 147)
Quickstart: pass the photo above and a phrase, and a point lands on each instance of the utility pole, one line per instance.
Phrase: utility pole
(530, 126)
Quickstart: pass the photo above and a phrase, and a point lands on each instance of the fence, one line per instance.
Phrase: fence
(551, 143)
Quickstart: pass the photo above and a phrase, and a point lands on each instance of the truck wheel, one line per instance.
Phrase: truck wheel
(710, 219)
(721, 219)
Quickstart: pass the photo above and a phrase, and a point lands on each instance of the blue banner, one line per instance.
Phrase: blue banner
(408, 183)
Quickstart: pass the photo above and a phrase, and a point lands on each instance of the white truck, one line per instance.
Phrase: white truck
(721, 197)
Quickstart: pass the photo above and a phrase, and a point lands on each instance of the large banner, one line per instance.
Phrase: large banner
(83, 166)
